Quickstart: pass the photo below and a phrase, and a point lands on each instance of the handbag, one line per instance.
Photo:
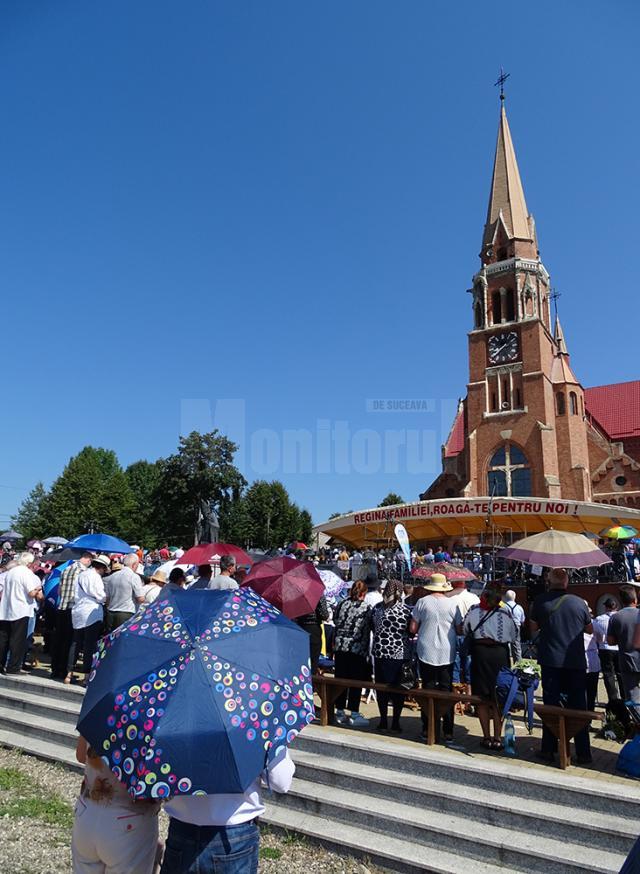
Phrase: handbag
(465, 646)
(407, 676)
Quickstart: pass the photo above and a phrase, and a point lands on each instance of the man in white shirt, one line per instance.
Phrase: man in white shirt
(206, 831)
(20, 589)
(374, 595)
(124, 591)
(518, 616)
(464, 600)
(87, 615)
(609, 656)
(225, 580)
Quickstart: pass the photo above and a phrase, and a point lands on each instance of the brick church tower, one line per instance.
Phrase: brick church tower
(522, 428)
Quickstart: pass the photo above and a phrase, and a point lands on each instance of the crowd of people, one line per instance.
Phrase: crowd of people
(386, 626)
(453, 636)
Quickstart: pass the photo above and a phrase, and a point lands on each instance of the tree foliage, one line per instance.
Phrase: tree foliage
(201, 470)
(92, 491)
(266, 518)
(155, 502)
(28, 518)
(391, 499)
(144, 480)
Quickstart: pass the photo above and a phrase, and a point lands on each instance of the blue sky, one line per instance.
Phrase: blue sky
(282, 203)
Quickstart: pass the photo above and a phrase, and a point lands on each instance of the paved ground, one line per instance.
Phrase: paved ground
(467, 737)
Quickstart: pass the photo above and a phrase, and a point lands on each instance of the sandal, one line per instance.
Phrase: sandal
(496, 744)
(487, 743)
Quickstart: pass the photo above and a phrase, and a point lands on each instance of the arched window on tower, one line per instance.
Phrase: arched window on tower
(573, 403)
(509, 473)
(477, 315)
(496, 308)
(510, 314)
(560, 405)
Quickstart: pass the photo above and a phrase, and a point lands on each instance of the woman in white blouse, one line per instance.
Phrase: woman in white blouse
(87, 615)
(492, 629)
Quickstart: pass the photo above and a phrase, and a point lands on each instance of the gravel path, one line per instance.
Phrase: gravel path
(36, 813)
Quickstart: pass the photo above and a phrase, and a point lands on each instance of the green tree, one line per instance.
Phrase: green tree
(391, 499)
(270, 519)
(29, 518)
(144, 478)
(306, 527)
(201, 470)
(92, 491)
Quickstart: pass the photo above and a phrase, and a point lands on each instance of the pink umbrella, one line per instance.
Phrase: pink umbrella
(451, 571)
(294, 587)
(556, 549)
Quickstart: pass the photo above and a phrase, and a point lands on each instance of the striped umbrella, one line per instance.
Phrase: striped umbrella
(619, 532)
(556, 549)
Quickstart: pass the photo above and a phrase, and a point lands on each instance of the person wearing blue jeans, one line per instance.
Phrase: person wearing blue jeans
(210, 848)
(218, 834)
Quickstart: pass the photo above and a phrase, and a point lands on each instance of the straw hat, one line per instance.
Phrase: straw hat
(159, 577)
(101, 559)
(438, 583)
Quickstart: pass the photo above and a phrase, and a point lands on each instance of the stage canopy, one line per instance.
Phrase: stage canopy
(469, 520)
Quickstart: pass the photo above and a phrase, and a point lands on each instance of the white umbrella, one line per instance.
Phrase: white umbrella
(333, 584)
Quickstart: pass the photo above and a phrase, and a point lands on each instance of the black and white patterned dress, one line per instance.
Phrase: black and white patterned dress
(391, 631)
(353, 626)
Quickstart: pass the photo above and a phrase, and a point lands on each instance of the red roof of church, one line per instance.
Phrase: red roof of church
(455, 442)
(616, 407)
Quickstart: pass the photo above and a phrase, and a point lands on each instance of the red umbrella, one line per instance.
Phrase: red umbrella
(450, 571)
(297, 544)
(294, 587)
(206, 552)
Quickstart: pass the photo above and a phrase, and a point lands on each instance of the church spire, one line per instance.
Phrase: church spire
(508, 218)
(558, 336)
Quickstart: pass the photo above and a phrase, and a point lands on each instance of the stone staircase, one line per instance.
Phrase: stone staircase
(399, 804)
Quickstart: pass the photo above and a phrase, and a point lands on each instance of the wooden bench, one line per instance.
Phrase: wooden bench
(562, 722)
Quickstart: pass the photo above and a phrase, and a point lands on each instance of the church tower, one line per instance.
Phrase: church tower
(523, 419)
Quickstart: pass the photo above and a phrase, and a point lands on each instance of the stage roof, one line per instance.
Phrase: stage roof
(458, 518)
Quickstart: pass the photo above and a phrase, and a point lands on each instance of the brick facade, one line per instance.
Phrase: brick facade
(525, 417)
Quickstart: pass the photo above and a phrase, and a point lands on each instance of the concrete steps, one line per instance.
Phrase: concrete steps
(399, 804)
(427, 793)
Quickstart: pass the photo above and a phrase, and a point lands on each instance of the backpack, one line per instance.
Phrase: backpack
(515, 690)
(629, 758)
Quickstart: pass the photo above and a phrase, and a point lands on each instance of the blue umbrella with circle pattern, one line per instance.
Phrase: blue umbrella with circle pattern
(196, 693)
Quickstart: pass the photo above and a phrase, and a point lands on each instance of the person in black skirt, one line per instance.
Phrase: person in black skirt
(390, 621)
(492, 630)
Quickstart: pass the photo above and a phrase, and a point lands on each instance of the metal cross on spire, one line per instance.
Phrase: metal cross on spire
(554, 295)
(502, 78)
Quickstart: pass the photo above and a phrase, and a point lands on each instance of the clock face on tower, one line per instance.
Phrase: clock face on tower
(503, 347)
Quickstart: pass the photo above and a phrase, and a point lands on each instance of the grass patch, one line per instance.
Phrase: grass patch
(270, 853)
(48, 809)
(12, 778)
(292, 838)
